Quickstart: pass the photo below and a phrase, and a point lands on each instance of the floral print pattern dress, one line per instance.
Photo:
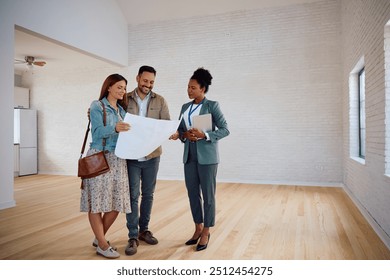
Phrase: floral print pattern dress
(109, 191)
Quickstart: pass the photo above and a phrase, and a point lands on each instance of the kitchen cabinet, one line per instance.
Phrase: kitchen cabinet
(21, 97)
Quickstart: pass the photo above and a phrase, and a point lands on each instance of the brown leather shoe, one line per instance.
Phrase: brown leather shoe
(148, 237)
(131, 247)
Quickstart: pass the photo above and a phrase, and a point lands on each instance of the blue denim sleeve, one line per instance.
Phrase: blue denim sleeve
(99, 131)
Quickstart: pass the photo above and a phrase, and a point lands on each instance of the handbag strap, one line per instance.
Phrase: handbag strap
(104, 122)
(88, 129)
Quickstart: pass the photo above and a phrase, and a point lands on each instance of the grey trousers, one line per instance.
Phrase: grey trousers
(201, 187)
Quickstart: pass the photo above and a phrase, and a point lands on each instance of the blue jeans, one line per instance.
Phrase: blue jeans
(142, 181)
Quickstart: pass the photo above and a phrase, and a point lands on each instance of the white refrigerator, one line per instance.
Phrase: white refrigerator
(25, 135)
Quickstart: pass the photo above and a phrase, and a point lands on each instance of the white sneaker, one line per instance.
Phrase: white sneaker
(95, 243)
(109, 253)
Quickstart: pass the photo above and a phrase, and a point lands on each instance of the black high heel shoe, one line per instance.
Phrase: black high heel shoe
(200, 247)
(193, 241)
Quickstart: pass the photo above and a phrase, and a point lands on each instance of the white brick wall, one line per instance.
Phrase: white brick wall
(387, 101)
(363, 25)
(277, 77)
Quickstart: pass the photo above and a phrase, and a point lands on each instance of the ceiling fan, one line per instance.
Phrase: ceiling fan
(30, 62)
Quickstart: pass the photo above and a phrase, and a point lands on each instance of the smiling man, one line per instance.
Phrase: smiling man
(142, 101)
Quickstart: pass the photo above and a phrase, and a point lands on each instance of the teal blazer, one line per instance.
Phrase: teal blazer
(207, 150)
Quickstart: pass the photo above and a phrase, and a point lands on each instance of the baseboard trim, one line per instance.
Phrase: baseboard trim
(377, 228)
(7, 204)
(285, 183)
(260, 182)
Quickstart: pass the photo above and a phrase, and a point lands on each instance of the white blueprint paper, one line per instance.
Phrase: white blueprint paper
(144, 136)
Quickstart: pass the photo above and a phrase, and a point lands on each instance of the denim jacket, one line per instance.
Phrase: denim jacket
(98, 130)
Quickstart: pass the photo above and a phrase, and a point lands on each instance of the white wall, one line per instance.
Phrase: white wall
(62, 99)
(90, 26)
(363, 36)
(6, 114)
(138, 12)
(277, 77)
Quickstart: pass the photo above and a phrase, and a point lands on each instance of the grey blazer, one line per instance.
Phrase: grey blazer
(207, 150)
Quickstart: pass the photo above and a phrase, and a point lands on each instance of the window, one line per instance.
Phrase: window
(357, 116)
(362, 114)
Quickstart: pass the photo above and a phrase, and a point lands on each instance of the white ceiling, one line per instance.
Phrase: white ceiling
(136, 12)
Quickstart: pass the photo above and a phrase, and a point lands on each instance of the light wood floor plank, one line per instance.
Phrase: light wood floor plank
(253, 222)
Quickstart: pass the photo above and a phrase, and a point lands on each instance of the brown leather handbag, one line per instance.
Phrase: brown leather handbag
(96, 164)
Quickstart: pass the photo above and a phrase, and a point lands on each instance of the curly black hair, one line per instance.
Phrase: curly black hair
(203, 77)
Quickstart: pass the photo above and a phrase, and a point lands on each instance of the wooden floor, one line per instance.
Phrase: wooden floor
(253, 222)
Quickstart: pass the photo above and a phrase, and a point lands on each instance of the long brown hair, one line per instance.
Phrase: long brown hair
(111, 80)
